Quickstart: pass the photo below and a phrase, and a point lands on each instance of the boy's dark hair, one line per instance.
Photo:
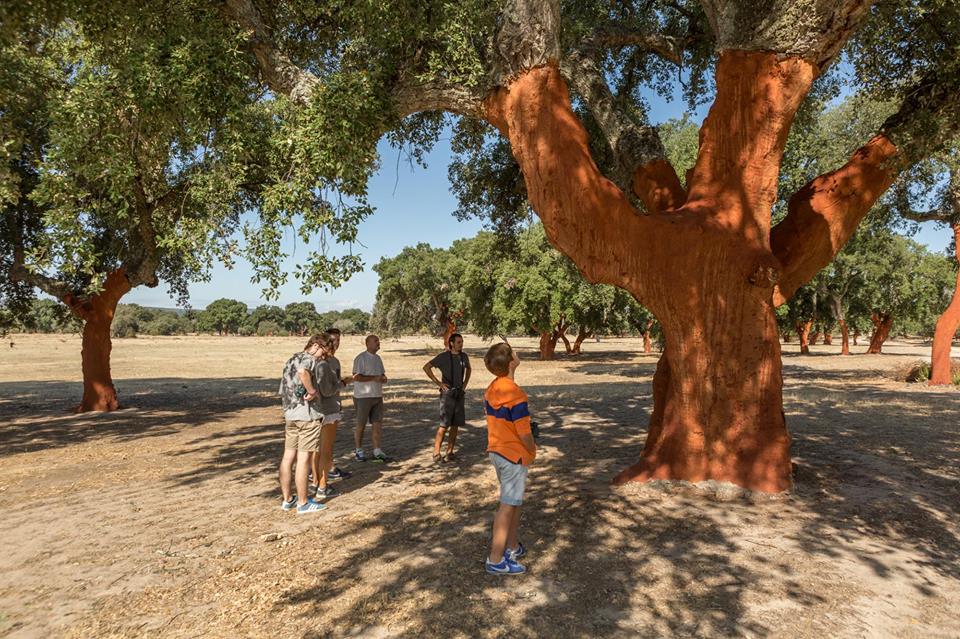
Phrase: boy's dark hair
(334, 331)
(498, 359)
(452, 337)
(323, 339)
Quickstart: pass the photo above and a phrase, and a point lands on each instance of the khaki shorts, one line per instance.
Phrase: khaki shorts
(303, 436)
(369, 410)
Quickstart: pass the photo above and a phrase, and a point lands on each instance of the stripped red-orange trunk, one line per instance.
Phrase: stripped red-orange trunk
(803, 332)
(946, 328)
(449, 330)
(99, 393)
(827, 339)
(845, 338)
(718, 411)
(882, 323)
(813, 338)
(548, 345)
(582, 334)
(647, 347)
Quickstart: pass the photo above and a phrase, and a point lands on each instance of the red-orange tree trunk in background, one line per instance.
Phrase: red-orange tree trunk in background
(844, 338)
(582, 334)
(647, 348)
(946, 328)
(882, 323)
(827, 339)
(548, 345)
(718, 387)
(803, 332)
(97, 313)
(813, 339)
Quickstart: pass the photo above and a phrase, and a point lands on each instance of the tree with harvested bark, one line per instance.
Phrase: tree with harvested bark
(560, 83)
(113, 177)
(936, 182)
(705, 258)
(418, 290)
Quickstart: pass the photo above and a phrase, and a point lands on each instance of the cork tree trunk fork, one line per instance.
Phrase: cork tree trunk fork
(705, 260)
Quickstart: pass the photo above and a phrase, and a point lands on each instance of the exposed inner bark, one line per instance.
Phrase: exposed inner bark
(647, 347)
(548, 345)
(845, 338)
(99, 393)
(882, 323)
(827, 338)
(717, 392)
(582, 334)
(824, 214)
(946, 328)
(813, 338)
(803, 332)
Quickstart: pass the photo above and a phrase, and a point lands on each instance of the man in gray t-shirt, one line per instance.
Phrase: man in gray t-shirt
(454, 368)
(369, 377)
(300, 396)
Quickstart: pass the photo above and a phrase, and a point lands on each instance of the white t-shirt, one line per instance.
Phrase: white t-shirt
(367, 363)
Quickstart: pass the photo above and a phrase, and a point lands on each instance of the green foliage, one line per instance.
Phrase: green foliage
(681, 141)
(45, 316)
(301, 318)
(270, 328)
(223, 316)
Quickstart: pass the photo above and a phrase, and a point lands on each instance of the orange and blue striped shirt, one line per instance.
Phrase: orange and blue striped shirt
(508, 417)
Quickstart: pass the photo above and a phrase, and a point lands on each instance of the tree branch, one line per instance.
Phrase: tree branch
(667, 47)
(279, 72)
(824, 214)
(644, 169)
(814, 30)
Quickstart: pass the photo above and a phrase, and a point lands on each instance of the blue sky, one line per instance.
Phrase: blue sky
(412, 205)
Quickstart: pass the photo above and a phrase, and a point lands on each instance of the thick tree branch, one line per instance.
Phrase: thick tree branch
(824, 214)
(279, 72)
(667, 47)
(643, 166)
(814, 30)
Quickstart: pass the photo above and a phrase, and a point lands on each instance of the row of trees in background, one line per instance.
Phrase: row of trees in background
(493, 284)
(223, 317)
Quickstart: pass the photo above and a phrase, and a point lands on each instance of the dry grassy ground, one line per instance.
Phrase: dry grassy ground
(154, 520)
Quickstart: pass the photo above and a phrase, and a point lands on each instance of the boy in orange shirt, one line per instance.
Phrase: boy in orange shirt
(511, 450)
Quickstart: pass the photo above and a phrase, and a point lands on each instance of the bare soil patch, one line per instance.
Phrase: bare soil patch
(162, 519)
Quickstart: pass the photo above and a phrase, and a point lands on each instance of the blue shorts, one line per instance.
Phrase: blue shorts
(512, 478)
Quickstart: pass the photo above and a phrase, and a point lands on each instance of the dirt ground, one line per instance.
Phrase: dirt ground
(162, 519)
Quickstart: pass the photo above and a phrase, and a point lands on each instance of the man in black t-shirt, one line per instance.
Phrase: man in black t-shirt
(454, 368)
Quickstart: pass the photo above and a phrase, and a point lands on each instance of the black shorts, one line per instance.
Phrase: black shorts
(452, 411)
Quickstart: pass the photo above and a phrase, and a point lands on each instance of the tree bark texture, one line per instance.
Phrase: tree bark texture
(882, 323)
(946, 328)
(717, 391)
(845, 338)
(548, 345)
(582, 334)
(96, 311)
(813, 338)
(803, 333)
(827, 339)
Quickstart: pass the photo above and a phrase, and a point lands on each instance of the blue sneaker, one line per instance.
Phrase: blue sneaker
(359, 454)
(310, 507)
(515, 553)
(289, 505)
(336, 473)
(505, 567)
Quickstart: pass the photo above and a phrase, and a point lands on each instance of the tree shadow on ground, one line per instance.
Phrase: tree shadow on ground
(876, 472)
(35, 414)
(862, 492)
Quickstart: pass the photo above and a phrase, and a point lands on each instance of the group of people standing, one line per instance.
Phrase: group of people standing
(310, 394)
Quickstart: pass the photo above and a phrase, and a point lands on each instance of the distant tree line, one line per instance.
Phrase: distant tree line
(222, 317)
(494, 284)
